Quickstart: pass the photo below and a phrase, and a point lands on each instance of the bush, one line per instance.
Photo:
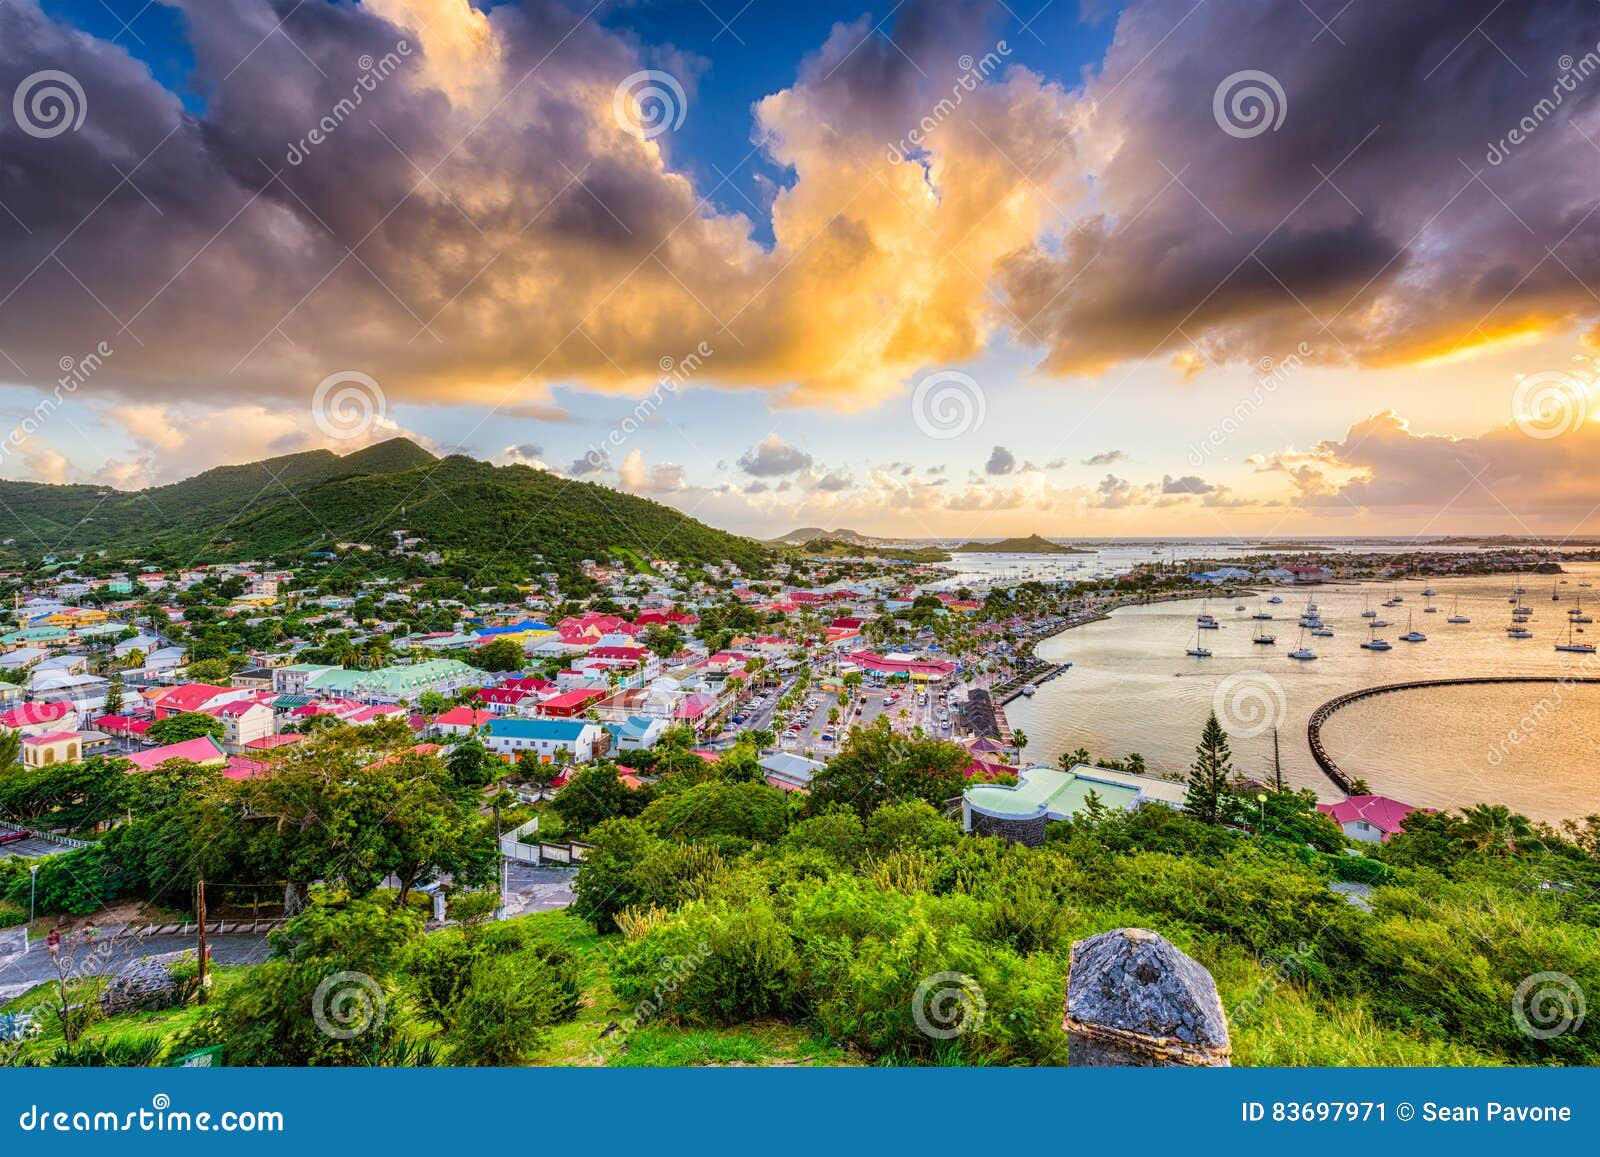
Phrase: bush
(910, 826)
(711, 963)
(836, 833)
(746, 811)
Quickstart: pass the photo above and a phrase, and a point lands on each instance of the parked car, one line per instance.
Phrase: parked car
(15, 837)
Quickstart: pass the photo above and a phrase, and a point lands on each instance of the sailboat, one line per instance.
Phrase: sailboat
(1263, 638)
(1455, 613)
(1374, 643)
(1261, 614)
(1302, 651)
(1555, 592)
(1412, 635)
(1196, 650)
(1569, 645)
(1575, 614)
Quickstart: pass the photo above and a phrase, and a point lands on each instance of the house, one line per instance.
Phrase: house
(243, 721)
(394, 684)
(202, 750)
(571, 704)
(1372, 819)
(789, 772)
(35, 718)
(43, 748)
(1045, 795)
(462, 721)
(636, 732)
(545, 737)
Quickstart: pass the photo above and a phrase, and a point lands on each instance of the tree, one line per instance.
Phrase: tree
(184, 726)
(1210, 773)
(113, 694)
(499, 655)
(664, 640)
(472, 765)
(596, 794)
(536, 772)
(10, 747)
(1071, 759)
(213, 671)
(1020, 738)
(877, 767)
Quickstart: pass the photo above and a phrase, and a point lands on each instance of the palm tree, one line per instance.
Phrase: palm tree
(10, 747)
(1494, 828)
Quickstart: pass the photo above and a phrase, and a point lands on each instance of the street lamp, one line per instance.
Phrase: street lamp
(1262, 797)
(33, 888)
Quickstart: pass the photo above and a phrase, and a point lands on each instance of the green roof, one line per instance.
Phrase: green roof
(1045, 790)
(416, 677)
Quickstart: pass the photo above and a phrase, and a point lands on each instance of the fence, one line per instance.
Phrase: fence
(514, 847)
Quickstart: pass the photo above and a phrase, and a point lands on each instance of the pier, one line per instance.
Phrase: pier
(1321, 715)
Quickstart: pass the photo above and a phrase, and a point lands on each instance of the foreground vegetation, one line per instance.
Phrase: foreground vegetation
(719, 921)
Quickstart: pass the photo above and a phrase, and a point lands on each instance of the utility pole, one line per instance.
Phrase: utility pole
(200, 911)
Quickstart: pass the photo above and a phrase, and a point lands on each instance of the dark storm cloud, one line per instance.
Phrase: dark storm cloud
(1240, 246)
(1001, 461)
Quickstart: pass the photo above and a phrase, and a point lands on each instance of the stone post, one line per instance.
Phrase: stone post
(1134, 999)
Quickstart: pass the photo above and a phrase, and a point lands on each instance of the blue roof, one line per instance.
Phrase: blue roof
(513, 629)
(563, 729)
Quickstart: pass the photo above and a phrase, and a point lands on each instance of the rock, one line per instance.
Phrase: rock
(1134, 999)
(146, 983)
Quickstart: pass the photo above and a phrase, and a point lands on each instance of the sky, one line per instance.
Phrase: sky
(958, 269)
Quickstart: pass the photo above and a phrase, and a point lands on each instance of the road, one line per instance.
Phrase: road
(528, 889)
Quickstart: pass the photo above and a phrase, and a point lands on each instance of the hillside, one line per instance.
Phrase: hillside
(1033, 544)
(832, 548)
(311, 500)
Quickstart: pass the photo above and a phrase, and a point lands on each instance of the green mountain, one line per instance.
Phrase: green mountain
(307, 501)
(809, 534)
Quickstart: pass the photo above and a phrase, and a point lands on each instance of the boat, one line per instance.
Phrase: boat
(1029, 690)
(1264, 639)
(1580, 648)
(1274, 599)
(1301, 651)
(1428, 592)
(1412, 635)
(1379, 623)
(1555, 593)
(1322, 632)
(1263, 615)
(1366, 608)
(1240, 607)
(1455, 613)
(1518, 631)
(1208, 625)
(1374, 643)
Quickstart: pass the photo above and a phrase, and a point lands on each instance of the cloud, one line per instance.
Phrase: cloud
(663, 478)
(252, 260)
(524, 454)
(596, 460)
(1188, 484)
(1001, 461)
(833, 482)
(1106, 458)
(1363, 213)
(772, 457)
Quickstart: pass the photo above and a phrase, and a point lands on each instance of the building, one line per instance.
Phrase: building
(788, 772)
(203, 750)
(1046, 795)
(545, 737)
(395, 684)
(43, 748)
(1372, 819)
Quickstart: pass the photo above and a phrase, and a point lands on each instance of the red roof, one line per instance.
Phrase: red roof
(49, 737)
(268, 742)
(572, 702)
(123, 723)
(202, 749)
(464, 717)
(188, 697)
(1380, 811)
(30, 714)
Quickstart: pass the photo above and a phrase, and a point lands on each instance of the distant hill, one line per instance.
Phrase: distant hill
(1033, 544)
(831, 548)
(808, 534)
(311, 500)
